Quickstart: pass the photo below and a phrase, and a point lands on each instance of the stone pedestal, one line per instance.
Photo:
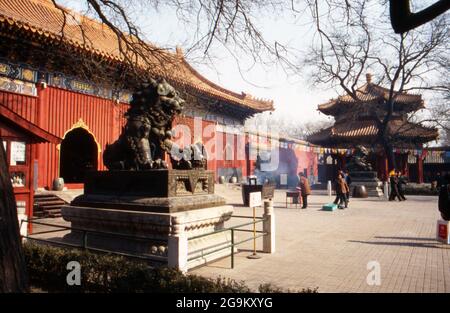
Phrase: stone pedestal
(152, 213)
(369, 180)
(161, 236)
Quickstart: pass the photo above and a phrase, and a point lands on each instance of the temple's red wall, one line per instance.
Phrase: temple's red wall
(307, 160)
(59, 111)
(232, 152)
(188, 130)
(25, 106)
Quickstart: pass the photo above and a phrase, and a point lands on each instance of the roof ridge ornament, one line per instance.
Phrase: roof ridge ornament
(369, 78)
(179, 51)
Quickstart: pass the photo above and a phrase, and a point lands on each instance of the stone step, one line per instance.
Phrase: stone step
(53, 213)
(48, 205)
(50, 202)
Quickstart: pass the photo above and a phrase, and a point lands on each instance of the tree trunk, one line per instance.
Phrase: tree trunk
(389, 150)
(13, 276)
(384, 137)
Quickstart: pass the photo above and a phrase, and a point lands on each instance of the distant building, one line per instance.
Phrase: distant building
(357, 122)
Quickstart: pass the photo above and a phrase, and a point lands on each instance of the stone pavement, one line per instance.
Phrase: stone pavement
(332, 250)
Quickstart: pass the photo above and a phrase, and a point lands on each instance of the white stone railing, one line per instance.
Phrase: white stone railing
(180, 244)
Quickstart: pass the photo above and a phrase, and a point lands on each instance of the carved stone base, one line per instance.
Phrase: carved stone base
(374, 189)
(153, 229)
(150, 183)
(151, 204)
(369, 180)
(164, 191)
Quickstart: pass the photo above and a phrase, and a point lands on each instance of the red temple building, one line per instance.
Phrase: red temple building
(357, 123)
(55, 122)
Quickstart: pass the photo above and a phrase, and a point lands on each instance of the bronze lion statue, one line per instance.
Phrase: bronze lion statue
(360, 160)
(147, 134)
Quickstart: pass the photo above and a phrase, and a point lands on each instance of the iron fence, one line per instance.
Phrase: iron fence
(84, 242)
(233, 242)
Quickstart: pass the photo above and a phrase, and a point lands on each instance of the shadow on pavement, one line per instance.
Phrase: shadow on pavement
(404, 244)
(407, 238)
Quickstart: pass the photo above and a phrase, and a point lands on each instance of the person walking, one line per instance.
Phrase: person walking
(400, 182)
(439, 181)
(305, 189)
(393, 180)
(348, 180)
(341, 191)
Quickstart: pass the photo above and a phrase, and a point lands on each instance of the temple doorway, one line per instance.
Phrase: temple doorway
(79, 154)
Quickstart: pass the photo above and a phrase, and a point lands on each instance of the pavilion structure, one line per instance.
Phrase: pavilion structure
(357, 122)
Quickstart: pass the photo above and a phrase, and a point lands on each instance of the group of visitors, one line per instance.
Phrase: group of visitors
(397, 182)
(341, 186)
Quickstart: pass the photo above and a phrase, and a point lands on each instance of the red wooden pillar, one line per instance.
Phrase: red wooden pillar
(30, 209)
(419, 169)
(405, 165)
(42, 121)
(383, 171)
(341, 162)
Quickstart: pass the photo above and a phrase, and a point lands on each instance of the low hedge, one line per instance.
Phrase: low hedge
(420, 189)
(106, 273)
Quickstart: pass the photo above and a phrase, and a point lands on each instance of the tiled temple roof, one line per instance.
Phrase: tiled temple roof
(366, 131)
(45, 22)
(370, 94)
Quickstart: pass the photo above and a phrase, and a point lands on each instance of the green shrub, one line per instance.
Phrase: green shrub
(270, 288)
(420, 189)
(105, 273)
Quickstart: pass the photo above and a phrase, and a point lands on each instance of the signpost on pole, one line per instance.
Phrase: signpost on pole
(329, 190)
(255, 201)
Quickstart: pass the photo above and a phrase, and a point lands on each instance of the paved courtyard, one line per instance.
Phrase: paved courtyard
(331, 250)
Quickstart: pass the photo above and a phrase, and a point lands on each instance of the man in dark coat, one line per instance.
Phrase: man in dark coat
(348, 180)
(400, 182)
(439, 181)
(305, 190)
(394, 187)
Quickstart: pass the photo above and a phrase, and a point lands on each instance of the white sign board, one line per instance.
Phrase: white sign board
(255, 199)
(18, 149)
(283, 179)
